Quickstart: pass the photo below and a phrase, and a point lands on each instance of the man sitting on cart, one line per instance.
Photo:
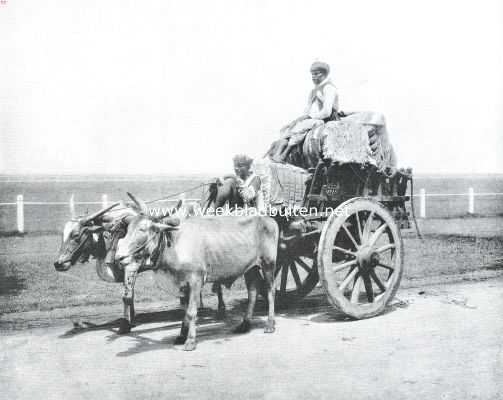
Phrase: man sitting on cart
(322, 107)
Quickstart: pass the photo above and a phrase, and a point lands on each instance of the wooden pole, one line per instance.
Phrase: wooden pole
(72, 206)
(422, 203)
(20, 213)
(471, 201)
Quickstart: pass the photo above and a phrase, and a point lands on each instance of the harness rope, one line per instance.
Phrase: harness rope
(79, 247)
(179, 193)
(145, 244)
(170, 196)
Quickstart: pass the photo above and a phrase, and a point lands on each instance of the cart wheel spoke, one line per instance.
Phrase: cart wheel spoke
(295, 275)
(385, 248)
(355, 294)
(388, 267)
(306, 267)
(299, 275)
(348, 279)
(377, 234)
(368, 288)
(359, 226)
(340, 267)
(350, 236)
(344, 251)
(350, 270)
(378, 282)
(367, 227)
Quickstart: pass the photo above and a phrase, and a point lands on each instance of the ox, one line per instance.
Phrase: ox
(97, 236)
(205, 249)
(83, 237)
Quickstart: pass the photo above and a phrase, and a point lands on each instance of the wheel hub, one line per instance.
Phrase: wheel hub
(367, 258)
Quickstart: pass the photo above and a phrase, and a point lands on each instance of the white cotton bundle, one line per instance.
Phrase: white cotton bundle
(347, 140)
(281, 183)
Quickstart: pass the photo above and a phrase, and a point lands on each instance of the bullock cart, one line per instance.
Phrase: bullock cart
(346, 235)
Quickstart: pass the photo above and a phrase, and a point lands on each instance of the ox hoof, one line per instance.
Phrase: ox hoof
(180, 339)
(190, 345)
(243, 327)
(221, 314)
(124, 326)
(269, 327)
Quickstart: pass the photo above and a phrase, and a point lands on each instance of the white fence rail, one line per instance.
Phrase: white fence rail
(470, 194)
(20, 203)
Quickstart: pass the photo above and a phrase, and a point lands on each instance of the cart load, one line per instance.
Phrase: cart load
(359, 137)
(346, 171)
(282, 184)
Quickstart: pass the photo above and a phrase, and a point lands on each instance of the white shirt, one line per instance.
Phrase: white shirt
(322, 100)
(249, 194)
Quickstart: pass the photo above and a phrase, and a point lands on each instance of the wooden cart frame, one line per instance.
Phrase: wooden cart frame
(352, 242)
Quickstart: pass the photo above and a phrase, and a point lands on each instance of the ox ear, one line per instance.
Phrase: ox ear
(164, 227)
(172, 221)
(139, 203)
(127, 219)
(107, 226)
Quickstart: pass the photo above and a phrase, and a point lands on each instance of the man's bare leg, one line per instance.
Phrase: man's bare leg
(281, 146)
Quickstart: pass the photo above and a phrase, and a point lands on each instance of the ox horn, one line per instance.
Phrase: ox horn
(165, 227)
(179, 205)
(139, 203)
(97, 214)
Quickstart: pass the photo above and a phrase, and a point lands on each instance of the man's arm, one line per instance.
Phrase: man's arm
(250, 192)
(330, 94)
(304, 116)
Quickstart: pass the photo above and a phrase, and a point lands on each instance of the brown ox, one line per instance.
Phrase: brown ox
(200, 250)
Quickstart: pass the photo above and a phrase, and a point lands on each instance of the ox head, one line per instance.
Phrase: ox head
(78, 242)
(142, 237)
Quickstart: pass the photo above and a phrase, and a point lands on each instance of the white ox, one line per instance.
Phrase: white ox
(200, 250)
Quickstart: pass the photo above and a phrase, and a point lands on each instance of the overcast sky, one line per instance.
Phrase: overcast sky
(180, 87)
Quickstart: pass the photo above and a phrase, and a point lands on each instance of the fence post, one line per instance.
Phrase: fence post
(72, 206)
(104, 200)
(20, 213)
(471, 201)
(422, 203)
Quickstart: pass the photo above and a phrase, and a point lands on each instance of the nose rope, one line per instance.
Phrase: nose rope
(79, 247)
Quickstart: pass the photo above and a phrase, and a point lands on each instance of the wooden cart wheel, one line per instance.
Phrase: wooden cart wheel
(296, 276)
(360, 257)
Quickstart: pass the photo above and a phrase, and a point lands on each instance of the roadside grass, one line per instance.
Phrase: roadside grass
(29, 282)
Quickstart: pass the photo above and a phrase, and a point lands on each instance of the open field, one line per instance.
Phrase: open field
(456, 249)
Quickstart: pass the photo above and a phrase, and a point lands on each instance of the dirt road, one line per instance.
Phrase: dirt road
(436, 342)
